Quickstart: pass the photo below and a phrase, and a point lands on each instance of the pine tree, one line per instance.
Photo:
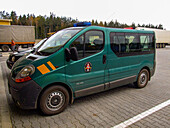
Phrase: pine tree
(92, 22)
(101, 23)
(105, 24)
(13, 16)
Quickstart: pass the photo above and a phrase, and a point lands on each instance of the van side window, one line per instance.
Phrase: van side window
(79, 44)
(129, 44)
(117, 40)
(133, 42)
(147, 42)
(89, 43)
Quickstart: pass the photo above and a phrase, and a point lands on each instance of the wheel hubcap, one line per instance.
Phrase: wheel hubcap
(55, 100)
(143, 78)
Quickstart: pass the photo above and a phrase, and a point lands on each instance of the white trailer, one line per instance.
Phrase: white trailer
(162, 36)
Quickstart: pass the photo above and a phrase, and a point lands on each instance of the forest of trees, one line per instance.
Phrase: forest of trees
(46, 24)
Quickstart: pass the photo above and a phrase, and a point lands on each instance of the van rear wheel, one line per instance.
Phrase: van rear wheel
(143, 79)
(54, 100)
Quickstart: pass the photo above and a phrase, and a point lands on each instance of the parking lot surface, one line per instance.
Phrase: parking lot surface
(106, 109)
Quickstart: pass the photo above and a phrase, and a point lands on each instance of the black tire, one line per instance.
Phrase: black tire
(5, 48)
(54, 100)
(143, 79)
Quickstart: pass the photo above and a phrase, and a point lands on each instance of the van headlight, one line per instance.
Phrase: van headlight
(25, 73)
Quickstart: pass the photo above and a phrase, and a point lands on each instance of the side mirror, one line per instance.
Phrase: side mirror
(74, 54)
(71, 54)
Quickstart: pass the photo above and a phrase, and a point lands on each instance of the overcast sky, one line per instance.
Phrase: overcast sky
(125, 11)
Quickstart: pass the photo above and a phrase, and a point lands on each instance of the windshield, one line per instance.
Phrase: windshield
(57, 40)
(39, 43)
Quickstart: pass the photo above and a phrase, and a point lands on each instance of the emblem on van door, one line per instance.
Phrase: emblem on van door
(88, 67)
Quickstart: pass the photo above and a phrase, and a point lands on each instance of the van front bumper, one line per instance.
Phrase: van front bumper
(24, 94)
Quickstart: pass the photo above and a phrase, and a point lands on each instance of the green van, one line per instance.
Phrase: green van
(80, 61)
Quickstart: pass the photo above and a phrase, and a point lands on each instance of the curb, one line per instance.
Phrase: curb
(4, 108)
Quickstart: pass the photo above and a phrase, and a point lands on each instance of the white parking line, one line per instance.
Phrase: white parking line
(142, 115)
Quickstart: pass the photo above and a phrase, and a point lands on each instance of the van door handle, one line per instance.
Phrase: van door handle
(104, 59)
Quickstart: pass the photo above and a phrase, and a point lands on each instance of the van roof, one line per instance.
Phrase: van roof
(114, 29)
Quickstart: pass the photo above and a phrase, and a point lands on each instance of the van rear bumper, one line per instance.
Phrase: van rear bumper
(24, 94)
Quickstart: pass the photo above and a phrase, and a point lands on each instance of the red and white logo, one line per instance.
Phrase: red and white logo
(88, 67)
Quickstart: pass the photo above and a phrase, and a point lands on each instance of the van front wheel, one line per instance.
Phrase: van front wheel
(143, 79)
(54, 100)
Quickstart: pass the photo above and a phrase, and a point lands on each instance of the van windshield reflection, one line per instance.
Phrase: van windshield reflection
(56, 41)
